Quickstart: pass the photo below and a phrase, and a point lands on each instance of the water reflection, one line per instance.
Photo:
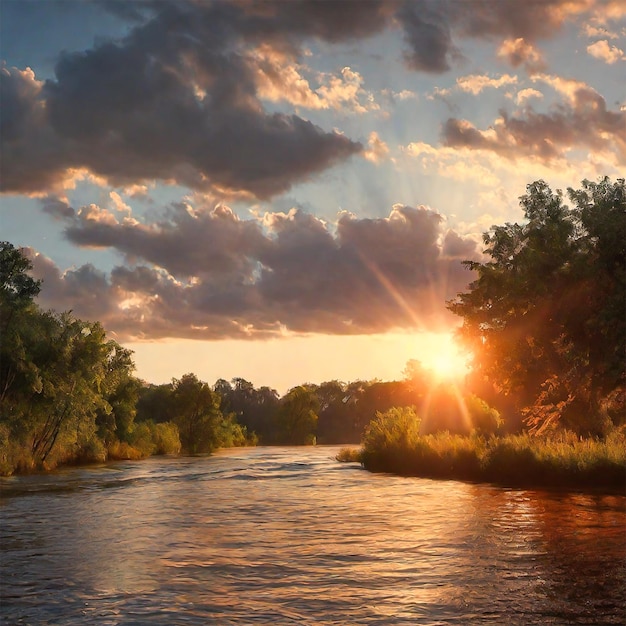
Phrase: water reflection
(288, 535)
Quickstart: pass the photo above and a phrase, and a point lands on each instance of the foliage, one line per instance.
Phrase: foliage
(67, 393)
(349, 455)
(296, 418)
(393, 443)
(254, 409)
(17, 288)
(545, 317)
(166, 438)
(484, 419)
(201, 424)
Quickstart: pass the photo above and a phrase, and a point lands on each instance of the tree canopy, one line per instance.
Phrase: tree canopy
(545, 318)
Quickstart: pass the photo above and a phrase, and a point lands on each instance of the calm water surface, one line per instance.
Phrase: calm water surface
(290, 536)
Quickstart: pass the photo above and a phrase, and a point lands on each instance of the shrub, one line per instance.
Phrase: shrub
(166, 438)
(349, 455)
(392, 443)
(141, 438)
(123, 451)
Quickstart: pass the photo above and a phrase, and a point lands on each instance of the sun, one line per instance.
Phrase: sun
(445, 359)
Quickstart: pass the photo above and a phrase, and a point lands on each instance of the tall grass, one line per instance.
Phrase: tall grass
(392, 443)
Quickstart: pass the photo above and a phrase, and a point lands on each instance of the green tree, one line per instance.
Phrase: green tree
(156, 403)
(545, 317)
(120, 389)
(17, 287)
(198, 414)
(296, 420)
(202, 425)
(254, 409)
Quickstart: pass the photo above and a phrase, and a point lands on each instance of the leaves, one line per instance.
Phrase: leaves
(545, 317)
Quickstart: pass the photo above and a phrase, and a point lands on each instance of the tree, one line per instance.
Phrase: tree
(120, 389)
(545, 317)
(254, 409)
(156, 403)
(202, 425)
(198, 414)
(17, 288)
(296, 419)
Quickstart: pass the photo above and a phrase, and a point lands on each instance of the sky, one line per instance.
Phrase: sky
(284, 191)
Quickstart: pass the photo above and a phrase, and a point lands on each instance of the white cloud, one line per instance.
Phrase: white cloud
(519, 52)
(525, 94)
(346, 91)
(604, 52)
(118, 204)
(599, 31)
(377, 148)
(475, 83)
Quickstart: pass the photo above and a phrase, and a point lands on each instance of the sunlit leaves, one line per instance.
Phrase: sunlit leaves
(545, 318)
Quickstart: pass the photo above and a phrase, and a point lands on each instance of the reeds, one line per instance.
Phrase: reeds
(393, 443)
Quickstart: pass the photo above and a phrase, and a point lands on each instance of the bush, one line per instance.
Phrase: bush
(392, 443)
(349, 455)
(122, 451)
(141, 438)
(166, 438)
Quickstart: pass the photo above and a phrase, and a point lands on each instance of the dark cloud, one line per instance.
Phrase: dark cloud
(130, 11)
(427, 31)
(84, 291)
(584, 122)
(210, 274)
(57, 208)
(529, 19)
(176, 98)
(456, 246)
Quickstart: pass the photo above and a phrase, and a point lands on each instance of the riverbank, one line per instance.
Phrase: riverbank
(562, 461)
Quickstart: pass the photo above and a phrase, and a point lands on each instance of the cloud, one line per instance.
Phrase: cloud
(599, 31)
(209, 274)
(530, 20)
(603, 51)
(582, 123)
(118, 204)
(182, 97)
(451, 163)
(485, 169)
(85, 288)
(175, 101)
(427, 32)
(57, 207)
(475, 83)
(525, 94)
(377, 150)
(519, 52)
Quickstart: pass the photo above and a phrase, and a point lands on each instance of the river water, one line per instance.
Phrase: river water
(290, 536)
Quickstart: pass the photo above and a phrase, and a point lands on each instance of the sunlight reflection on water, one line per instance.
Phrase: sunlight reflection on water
(288, 535)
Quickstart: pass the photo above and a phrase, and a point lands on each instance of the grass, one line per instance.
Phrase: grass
(394, 444)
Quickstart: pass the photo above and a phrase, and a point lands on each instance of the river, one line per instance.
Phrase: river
(290, 536)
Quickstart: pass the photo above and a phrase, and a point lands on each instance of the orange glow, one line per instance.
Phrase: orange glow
(445, 359)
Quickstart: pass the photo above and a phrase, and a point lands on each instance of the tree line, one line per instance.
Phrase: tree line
(544, 319)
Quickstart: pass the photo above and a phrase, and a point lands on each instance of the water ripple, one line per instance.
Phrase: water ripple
(288, 535)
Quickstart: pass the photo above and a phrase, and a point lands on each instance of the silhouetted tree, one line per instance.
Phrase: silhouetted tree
(545, 317)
